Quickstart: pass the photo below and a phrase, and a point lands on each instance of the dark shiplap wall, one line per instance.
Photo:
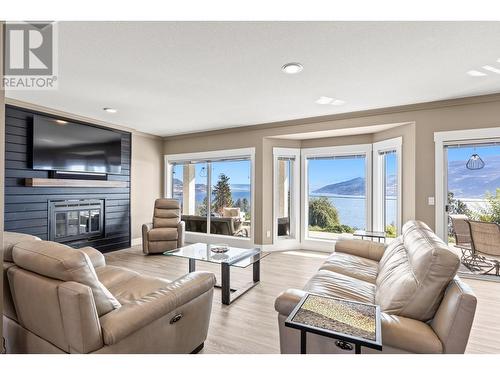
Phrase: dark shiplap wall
(26, 208)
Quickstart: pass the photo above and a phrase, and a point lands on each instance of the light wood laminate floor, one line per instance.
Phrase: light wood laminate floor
(249, 325)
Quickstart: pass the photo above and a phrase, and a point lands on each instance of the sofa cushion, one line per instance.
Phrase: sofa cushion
(61, 262)
(352, 265)
(414, 272)
(163, 234)
(137, 287)
(110, 276)
(12, 238)
(334, 284)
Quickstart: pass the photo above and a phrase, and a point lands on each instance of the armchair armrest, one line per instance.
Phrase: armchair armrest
(409, 334)
(79, 315)
(133, 316)
(361, 248)
(181, 233)
(287, 301)
(145, 242)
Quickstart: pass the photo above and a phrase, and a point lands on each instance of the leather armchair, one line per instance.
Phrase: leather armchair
(425, 307)
(65, 300)
(167, 231)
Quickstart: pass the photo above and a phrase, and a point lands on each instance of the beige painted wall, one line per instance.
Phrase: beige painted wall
(418, 146)
(147, 179)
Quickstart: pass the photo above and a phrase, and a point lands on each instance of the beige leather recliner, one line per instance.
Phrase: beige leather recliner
(64, 300)
(166, 232)
(425, 307)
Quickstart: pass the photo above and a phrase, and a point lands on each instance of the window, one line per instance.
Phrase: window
(337, 191)
(284, 204)
(215, 192)
(286, 195)
(386, 187)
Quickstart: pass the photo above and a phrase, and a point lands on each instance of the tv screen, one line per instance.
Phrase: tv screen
(66, 146)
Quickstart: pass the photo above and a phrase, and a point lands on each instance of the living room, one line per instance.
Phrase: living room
(250, 187)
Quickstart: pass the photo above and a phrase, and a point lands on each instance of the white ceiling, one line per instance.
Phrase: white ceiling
(170, 78)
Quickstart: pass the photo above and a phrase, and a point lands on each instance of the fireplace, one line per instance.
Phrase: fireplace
(71, 220)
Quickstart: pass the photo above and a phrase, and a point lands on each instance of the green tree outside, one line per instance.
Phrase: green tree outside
(222, 196)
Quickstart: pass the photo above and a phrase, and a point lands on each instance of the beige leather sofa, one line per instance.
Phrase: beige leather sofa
(425, 307)
(167, 231)
(63, 300)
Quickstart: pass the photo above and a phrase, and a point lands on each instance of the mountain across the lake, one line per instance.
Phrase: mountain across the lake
(355, 186)
(466, 183)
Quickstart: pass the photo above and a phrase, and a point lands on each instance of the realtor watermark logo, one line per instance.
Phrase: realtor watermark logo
(30, 59)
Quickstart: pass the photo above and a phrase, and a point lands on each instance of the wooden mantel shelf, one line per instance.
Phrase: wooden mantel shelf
(61, 182)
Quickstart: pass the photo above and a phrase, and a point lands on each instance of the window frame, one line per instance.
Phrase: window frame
(209, 156)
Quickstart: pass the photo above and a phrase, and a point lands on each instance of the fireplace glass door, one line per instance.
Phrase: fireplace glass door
(74, 220)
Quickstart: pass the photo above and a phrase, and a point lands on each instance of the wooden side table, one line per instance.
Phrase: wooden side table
(347, 321)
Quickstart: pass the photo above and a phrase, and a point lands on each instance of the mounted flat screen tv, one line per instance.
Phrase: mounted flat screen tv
(66, 146)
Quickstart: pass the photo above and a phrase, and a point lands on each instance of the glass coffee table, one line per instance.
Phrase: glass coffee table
(380, 236)
(234, 257)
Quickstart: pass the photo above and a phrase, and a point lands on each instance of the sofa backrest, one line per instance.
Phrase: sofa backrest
(61, 263)
(414, 272)
(167, 213)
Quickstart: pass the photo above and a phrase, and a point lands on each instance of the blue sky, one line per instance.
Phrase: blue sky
(464, 153)
(330, 171)
(321, 171)
(238, 171)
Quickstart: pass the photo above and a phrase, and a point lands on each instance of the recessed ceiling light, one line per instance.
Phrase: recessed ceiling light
(324, 100)
(337, 102)
(110, 110)
(328, 100)
(476, 73)
(292, 68)
(61, 122)
(491, 69)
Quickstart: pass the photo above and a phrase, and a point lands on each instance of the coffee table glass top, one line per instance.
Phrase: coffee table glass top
(339, 317)
(235, 256)
(367, 233)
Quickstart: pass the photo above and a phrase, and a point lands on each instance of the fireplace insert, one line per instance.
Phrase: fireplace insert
(71, 220)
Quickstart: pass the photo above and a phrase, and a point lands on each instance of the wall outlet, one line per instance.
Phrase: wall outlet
(430, 201)
(268, 234)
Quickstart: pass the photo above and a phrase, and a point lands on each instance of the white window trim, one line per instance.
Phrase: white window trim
(393, 144)
(213, 156)
(362, 149)
(440, 140)
(283, 242)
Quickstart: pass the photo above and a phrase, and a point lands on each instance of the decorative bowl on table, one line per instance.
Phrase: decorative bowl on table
(219, 248)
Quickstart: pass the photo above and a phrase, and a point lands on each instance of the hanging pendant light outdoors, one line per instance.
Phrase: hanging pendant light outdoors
(203, 172)
(475, 162)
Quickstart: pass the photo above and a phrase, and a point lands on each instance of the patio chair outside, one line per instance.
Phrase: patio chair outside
(485, 246)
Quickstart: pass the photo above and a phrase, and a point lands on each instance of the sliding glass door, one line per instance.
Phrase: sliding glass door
(231, 199)
(189, 187)
(472, 175)
(214, 193)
